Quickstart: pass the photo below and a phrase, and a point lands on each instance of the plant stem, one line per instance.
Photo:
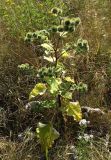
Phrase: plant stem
(46, 154)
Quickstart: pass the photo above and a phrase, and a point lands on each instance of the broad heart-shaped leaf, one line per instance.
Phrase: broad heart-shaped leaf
(54, 84)
(39, 89)
(73, 109)
(47, 134)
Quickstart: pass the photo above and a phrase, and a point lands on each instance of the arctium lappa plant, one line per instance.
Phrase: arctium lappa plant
(54, 80)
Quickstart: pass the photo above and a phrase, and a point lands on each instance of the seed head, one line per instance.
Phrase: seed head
(77, 21)
(54, 29)
(54, 10)
(67, 22)
(29, 35)
(60, 28)
(71, 28)
(66, 28)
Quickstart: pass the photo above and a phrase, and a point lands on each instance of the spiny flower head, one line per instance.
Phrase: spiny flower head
(54, 29)
(60, 28)
(56, 11)
(67, 21)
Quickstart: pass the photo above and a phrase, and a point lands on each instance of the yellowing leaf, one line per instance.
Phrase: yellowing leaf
(47, 134)
(39, 89)
(68, 79)
(74, 109)
(65, 54)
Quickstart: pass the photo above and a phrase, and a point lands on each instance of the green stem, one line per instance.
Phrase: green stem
(46, 154)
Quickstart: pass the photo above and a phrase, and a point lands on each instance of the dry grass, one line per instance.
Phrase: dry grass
(92, 69)
(96, 150)
(18, 150)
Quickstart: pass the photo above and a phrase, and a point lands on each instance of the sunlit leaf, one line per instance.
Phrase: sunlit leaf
(50, 59)
(63, 34)
(68, 79)
(60, 68)
(39, 89)
(65, 54)
(47, 46)
(73, 109)
(67, 95)
(54, 84)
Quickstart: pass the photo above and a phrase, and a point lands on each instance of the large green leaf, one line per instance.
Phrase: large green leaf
(47, 134)
(73, 109)
(39, 89)
(54, 84)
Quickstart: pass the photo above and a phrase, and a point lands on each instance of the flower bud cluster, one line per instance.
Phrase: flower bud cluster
(37, 36)
(56, 11)
(46, 72)
(82, 46)
(84, 122)
(86, 137)
(67, 24)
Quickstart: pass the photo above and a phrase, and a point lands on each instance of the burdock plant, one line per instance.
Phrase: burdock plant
(53, 78)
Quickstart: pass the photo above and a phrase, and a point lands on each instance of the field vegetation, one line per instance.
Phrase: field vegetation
(55, 80)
